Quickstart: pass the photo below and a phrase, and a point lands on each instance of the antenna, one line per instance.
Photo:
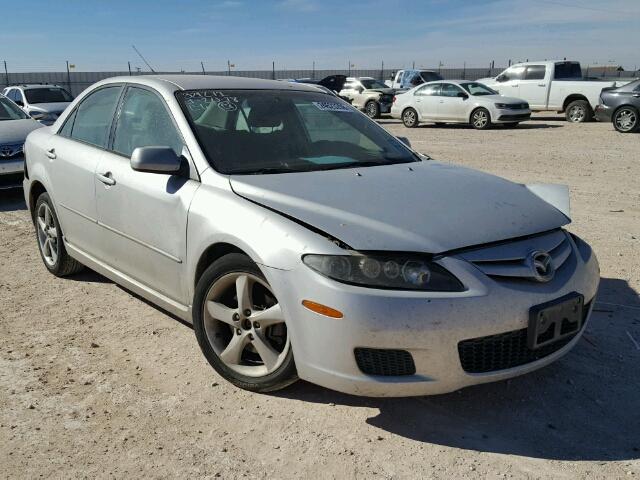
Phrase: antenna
(143, 59)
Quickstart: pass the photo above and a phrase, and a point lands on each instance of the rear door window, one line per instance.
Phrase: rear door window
(429, 90)
(449, 90)
(94, 116)
(567, 71)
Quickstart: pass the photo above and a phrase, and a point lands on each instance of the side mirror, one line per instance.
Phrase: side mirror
(156, 160)
(405, 140)
(463, 95)
(20, 103)
(500, 78)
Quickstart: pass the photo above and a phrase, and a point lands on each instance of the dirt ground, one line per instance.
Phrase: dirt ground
(95, 382)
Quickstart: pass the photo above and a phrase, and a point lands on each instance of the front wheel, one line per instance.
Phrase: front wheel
(372, 109)
(50, 239)
(410, 118)
(626, 120)
(578, 111)
(240, 326)
(480, 119)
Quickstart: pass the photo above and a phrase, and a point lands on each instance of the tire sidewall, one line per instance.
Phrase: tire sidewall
(486, 125)
(587, 111)
(44, 198)
(375, 105)
(236, 262)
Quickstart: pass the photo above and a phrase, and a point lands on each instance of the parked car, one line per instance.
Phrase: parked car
(458, 101)
(621, 106)
(44, 103)
(15, 125)
(553, 86)
(368, 95)
(405, 79)
(285, 225)
(332, 82)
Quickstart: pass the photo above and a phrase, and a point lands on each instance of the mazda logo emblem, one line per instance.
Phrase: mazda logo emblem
(541, 265)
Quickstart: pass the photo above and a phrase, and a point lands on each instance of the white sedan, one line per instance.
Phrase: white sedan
(458, 101)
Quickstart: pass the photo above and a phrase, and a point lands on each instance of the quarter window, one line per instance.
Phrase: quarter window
(144, 122)
(94, 116)
(535, 72)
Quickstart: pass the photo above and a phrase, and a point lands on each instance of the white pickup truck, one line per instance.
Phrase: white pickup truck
(554, 86)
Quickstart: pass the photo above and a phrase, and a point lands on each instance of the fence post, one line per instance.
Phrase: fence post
(129, 65)
(464, 71)
(228, 67)
(6, 73)
(202, 65)
(68, 78)
(273, 70)
(382, 72)
(313, 71)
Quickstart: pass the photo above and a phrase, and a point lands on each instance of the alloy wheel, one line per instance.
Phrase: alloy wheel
(480, 119)
(409, 118)
(626, 120)
(47, 234)
(577, 113)
(244, 324)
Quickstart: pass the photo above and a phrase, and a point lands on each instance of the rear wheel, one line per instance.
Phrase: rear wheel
(372, 109)
(626, 120)
(50, 240)
(480, 119)
(240, 326)
(578, 111)
(410, 118)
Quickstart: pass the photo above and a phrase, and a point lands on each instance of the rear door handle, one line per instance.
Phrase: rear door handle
(106, 178)
(51, 153)
(542, 84)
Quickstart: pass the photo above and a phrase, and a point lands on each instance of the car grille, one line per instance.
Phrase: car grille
(9, 151)
(510, 260)
(516, 106)
(374, 361)
(506, 350)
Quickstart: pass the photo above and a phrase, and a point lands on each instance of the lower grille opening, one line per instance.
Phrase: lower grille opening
(383, 362)
(506, 350)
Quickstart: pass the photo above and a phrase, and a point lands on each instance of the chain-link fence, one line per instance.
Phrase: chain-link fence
(76, 82)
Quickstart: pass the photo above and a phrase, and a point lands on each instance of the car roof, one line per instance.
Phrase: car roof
(27, 86)
(170, 83)
(456, 82)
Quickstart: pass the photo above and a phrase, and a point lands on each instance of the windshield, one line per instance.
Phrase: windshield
(47, 95)
(10, 111)
(371, 83)
(478, 89)
(430, 76)
(276, 131)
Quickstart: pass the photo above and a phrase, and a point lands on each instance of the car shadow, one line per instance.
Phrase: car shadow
(12, 200)
(497, 127)
(585, 406)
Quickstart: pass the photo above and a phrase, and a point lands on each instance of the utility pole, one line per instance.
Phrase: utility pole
(349, 69)
(413, 65)
(202, 65)
(129, 65)
(6, 73)
(273, 70)
(228, 67)
(68, 77)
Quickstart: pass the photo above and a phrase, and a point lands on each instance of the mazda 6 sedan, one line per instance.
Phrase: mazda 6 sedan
(302, 240)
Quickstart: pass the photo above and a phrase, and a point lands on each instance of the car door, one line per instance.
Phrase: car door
(452, 106)
(73, 154)
(426, 101)
(508, 82)
(533, 87)
(144, 215)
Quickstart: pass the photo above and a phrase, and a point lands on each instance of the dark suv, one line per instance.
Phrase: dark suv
(621, 106)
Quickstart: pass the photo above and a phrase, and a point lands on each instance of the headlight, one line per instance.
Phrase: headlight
(397, 272)
(502, 106)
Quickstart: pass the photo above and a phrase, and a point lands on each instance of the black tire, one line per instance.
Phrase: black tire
(283, 376)
(578, 111)
(440, 124)
(480, 119)
(372, 109)
(632, 123)
(63, 264)
(410, 118)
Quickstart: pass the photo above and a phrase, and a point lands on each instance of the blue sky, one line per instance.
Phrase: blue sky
(294, 33)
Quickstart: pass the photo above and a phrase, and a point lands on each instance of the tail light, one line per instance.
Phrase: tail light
(394, 99)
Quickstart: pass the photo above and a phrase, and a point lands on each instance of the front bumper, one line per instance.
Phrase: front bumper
(507, 116)
(428, 325)
(603, 113)
(11, 172)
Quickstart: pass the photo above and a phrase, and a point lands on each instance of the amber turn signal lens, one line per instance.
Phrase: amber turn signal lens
(322, 309)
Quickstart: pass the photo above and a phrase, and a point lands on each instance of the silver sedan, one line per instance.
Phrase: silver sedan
(302, 240)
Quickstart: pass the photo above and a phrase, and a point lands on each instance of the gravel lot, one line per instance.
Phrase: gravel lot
(95, 382)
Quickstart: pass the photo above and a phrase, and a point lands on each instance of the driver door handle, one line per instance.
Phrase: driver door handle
(51, 153)
(106, 178)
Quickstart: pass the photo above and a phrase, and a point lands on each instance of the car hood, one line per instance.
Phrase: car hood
(421, 207)
(500, 99)
(55, 107)
(16, 131)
